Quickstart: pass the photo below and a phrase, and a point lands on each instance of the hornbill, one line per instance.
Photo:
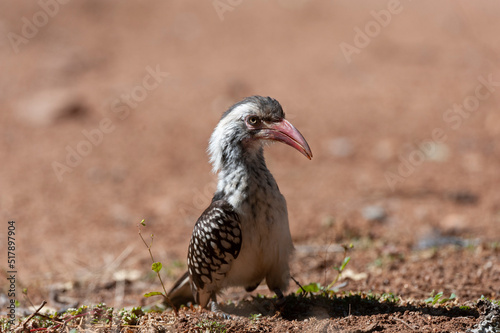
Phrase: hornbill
(243, 237)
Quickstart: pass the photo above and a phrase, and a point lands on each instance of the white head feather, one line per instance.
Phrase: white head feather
(231, 127)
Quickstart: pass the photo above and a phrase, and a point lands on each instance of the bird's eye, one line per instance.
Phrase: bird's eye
(253, 120)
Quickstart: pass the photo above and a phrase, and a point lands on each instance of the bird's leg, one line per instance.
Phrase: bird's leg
(281, 298)
(214, 307)
(279, 293)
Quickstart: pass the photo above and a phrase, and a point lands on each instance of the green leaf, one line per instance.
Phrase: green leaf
(143, 223)
(431, 298)
(255, 316)
(344, 263)
(310, 288)
(437, 297)
(153, 293)
(444, 300)
(157, 266)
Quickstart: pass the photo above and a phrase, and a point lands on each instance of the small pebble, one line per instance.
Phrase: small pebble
(374, 213)
(438, 152)
(46, 107)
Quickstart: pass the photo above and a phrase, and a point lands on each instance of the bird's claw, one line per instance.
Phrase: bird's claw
(218, 312)
(223, 315)
(280, 302)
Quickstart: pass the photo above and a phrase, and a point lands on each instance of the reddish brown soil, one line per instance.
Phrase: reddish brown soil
(436, 226)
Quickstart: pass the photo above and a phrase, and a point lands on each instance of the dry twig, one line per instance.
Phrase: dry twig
(22, 327)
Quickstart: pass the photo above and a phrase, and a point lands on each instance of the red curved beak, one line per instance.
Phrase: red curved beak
(285, 132)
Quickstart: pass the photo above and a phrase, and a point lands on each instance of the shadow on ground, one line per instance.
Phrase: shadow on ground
(302, 307)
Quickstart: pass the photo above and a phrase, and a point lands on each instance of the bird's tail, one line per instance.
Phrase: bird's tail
(181, 291)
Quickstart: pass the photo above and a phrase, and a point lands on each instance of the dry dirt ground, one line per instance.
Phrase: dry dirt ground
(107, 107)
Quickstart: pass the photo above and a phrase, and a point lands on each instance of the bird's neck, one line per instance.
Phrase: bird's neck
(244, 177)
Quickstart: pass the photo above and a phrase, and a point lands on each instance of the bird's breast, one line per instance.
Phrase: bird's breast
(266, 240)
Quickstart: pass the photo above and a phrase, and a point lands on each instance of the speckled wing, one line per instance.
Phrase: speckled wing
(215, 243)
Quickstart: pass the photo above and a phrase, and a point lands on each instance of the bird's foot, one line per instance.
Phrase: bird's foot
(279, 293)
(280, 302)
(214, 307)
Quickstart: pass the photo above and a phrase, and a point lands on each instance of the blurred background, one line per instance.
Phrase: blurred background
(107, 107)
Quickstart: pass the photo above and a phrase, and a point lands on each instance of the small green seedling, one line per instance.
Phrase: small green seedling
(155, 267)
(389, 297)
(255, 317)
(439, 299)
(317, 287)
